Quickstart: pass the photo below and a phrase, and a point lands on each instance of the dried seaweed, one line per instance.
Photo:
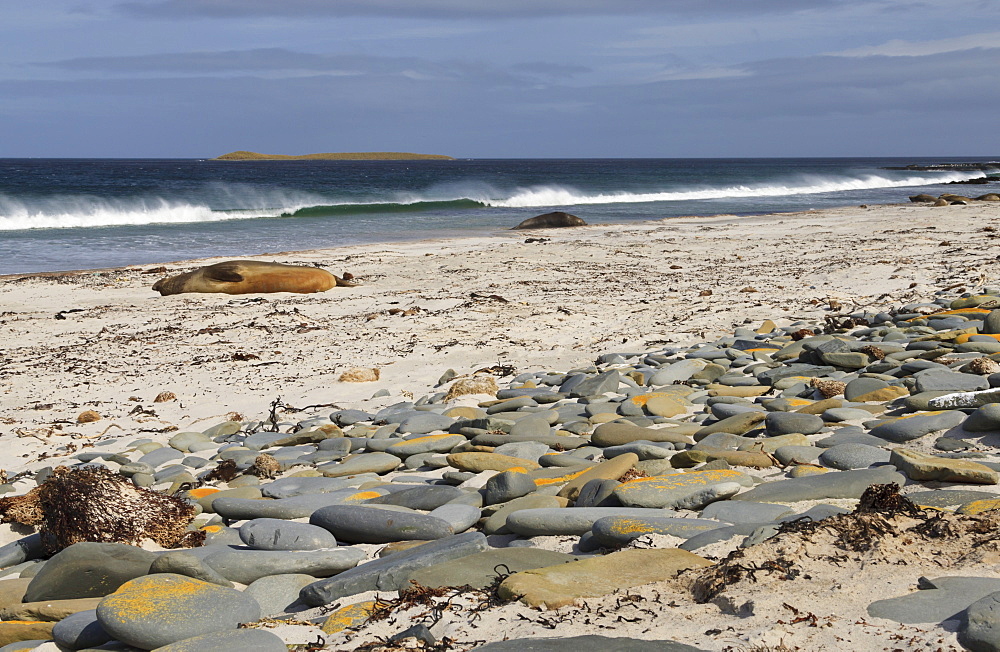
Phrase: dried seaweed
(94, 504)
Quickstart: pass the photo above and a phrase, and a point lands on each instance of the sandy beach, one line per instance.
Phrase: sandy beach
(105, 341)
(556, 300)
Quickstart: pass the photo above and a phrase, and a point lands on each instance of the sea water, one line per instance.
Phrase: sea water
(62, 214)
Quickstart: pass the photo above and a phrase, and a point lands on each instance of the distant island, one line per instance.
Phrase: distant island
(333, 156)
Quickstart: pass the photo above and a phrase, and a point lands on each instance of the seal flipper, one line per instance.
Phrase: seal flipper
(223, 272)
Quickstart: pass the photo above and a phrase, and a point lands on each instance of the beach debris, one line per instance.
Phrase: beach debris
(265, 466)
(163, 397)
(94, 504)
(360, 375)
(477, 385)
(88, 416)
(554, 220)
(884, 528)
(62, 313)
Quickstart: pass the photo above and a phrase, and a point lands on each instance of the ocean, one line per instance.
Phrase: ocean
(65, 214)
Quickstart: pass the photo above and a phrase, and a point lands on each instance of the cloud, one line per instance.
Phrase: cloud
(448, 8)
(280, 62)
(900, 48)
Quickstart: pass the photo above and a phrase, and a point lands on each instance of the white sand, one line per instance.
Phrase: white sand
(482, 301)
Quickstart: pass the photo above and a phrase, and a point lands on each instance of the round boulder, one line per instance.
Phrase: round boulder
(156, 610)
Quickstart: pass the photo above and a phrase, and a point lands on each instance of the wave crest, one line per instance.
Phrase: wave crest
(539, 196)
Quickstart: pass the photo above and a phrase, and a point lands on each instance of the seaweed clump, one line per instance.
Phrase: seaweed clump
(96, 505)
(881, 514)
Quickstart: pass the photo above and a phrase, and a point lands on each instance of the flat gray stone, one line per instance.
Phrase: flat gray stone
(80, 630)
(784, 423)
(607, 381)
(246, 566)
(615, 531)
(182, 608)
(289, 487)
(941, 498)
(569, 520)
(744, 512)
(507, 486)
(692, 490)
(984, 419)
(427, 444)
(912, 427)
(276, 593)
(944, 599)
(425, 497)
(860, 387)
(422, 423)
(798, 454)
(88, 570)
(458, 516)
(678, 371)
(364, 524)
(588, 643)
(244, 640)
(843, 484)
(279, 534)
(242, 509)
(391, 573)
(375, 462)
(846, 457)
(182, 562)
(161, 456)
(948, 381)
(480, 570)
(981, 630)
(16, 552)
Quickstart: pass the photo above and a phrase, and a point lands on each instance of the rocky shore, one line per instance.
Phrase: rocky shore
(708, 434)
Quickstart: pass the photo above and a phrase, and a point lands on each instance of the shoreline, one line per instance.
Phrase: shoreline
(506, 232)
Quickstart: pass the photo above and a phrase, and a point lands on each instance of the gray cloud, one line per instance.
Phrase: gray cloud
(935, 104)
(451, 8)
(279, 60)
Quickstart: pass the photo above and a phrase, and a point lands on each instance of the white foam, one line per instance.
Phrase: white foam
(806, 185)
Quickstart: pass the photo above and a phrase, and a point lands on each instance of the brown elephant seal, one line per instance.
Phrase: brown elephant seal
(550, 221)
(250, 276)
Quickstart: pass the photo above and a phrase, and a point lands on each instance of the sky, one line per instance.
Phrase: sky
(500, 78)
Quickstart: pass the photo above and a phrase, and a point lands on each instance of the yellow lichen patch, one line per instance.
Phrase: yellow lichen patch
(349, 616)
(763, 349)
(798, 402)
(152, 595)
(415, 439)
(962, 339)
(542, 482)
(979, 506)
(686, 479)
(212, 529)
(517, 469)
(25, 622)
(625, 526)
(642, 399)
(960, 312)
(910, 416)
(202, 492)
(362, 495)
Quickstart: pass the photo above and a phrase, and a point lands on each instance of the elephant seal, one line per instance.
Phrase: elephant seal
(250, 276)
(550, 221)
